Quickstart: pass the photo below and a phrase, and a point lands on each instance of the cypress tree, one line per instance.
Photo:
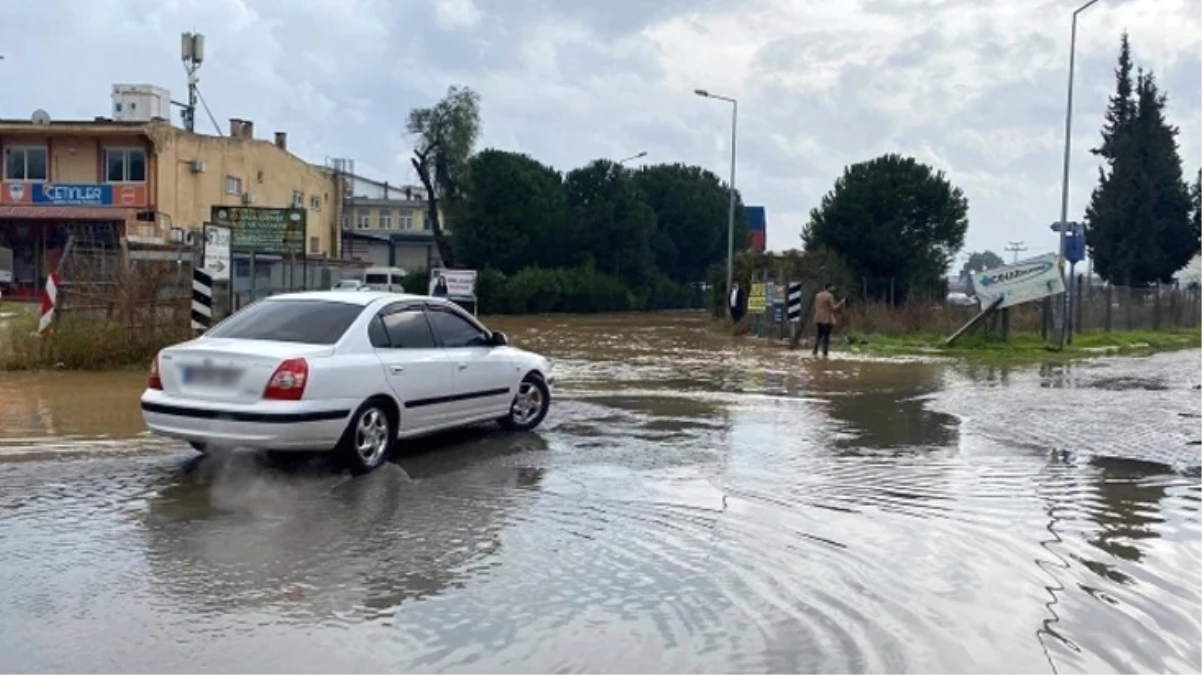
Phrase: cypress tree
(1195, 194)
(1139, 215)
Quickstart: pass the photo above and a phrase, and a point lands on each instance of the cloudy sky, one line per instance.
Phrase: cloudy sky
(973, 87)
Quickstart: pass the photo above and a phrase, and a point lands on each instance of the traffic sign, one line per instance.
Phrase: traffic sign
(216, 256)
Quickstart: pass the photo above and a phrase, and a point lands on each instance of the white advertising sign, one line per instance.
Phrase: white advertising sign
(1024, 281)
(216, 260)
(453, 284)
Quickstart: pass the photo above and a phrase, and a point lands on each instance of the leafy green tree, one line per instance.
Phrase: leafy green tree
(891, 218)
(691, 207)
(609, 223)
(1140, 228)
(445, 135)
(511, 205)
(979, 262)
(1195, 195)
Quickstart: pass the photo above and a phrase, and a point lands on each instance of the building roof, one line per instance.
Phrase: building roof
(93, 126)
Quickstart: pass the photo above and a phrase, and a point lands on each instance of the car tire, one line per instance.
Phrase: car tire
(199, 447)
(530, 405)
(369, 438)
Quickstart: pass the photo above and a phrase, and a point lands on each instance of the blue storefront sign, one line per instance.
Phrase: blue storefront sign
(64, 194)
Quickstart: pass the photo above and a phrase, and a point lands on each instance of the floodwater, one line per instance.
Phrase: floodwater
(694, 503)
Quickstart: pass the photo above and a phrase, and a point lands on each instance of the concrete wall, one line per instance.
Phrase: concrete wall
(268, 172)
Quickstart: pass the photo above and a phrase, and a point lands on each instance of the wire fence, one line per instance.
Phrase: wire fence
(1118, 308)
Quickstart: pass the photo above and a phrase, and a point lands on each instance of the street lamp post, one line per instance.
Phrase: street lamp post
(730, 219)
(1065, 307)
(633, 157)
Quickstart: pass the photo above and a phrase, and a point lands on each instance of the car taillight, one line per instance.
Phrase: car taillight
(154, 382)
(287, 383)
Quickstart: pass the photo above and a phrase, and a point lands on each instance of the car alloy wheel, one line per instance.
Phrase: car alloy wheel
(530, 405)
(369, 438)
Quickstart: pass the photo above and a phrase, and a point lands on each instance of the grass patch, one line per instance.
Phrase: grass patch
(81, 343)
(1029, 346)
(9, 307)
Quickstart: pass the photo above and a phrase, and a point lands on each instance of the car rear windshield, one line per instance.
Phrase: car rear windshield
(314, 322)
(377, 278)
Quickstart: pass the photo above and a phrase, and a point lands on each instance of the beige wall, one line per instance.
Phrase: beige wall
(266, 171)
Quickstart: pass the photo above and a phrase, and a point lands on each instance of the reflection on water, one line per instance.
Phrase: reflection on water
(693, 503)
(233, 532)
(59, 408)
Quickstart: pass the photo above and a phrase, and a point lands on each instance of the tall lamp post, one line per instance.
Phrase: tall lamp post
(632, 157)
(1062, 315)
(730, 219)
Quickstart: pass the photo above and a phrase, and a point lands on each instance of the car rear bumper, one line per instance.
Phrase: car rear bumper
(303, 425)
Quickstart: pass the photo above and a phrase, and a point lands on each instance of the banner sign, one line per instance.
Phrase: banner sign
(453, 284)
(1027, 280)
(757, 299)
(263, 230)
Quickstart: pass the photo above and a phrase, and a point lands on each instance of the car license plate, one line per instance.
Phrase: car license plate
(211, 377)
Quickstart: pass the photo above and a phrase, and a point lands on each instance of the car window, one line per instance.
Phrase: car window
(455, 331)
(376, 279)
(315, 322)
(408, 329)
(377, 334)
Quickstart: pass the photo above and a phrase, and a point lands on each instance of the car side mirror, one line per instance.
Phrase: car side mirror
(498, 339)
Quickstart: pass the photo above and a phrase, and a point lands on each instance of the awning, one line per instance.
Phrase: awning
(66, 213)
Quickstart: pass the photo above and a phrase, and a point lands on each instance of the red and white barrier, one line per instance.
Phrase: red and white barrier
(49, 299)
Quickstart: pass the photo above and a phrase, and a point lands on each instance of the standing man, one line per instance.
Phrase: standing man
(735, 303)
(825, 308)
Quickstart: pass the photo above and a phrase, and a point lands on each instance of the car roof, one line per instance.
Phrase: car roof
(362, 298)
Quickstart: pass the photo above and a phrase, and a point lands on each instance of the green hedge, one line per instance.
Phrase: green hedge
(577, 290)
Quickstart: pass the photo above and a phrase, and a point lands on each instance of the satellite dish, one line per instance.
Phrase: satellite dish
(41, 117)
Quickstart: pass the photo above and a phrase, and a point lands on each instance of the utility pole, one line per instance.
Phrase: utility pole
(192, 52)
(1016, 247)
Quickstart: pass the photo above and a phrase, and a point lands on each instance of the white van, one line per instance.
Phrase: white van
(389, 279)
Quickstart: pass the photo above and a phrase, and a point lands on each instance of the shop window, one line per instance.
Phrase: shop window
(124, 165)
(25, 163)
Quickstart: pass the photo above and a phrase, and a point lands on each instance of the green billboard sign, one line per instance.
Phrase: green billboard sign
(257, 229)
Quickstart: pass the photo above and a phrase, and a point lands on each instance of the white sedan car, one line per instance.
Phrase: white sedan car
(345, 372)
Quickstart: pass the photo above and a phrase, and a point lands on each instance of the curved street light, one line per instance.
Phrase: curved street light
(1064, 304)
(633, 157)
(730, 220)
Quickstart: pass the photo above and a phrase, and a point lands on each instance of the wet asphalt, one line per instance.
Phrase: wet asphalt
(692, 504)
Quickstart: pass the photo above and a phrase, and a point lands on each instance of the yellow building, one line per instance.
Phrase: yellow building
(197, 172)
(104, 178)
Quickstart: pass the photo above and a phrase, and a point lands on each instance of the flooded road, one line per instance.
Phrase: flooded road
(693, 504)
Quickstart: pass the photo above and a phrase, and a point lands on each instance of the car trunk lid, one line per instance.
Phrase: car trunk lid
(223, 369)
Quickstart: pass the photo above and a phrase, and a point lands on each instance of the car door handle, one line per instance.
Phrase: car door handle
(462, 365)
(396, 370)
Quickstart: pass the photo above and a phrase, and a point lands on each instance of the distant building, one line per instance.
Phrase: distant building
(757, 228)
(138, 180)
(382, 224)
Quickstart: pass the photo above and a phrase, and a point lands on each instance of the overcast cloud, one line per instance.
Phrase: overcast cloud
(974, 87)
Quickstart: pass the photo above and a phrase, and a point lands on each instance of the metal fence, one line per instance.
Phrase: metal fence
(1117, 308)
(263, 276)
